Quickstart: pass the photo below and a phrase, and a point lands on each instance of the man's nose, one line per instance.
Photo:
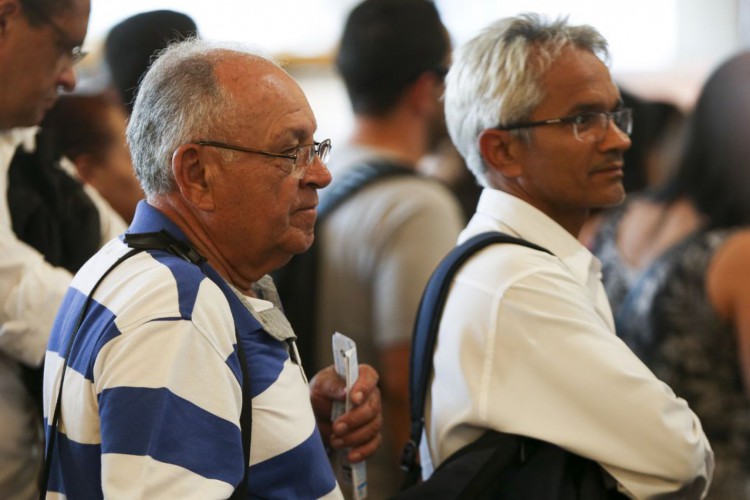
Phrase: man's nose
(67, 78)
(318, 174)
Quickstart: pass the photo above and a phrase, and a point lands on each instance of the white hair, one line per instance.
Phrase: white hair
(495, 78)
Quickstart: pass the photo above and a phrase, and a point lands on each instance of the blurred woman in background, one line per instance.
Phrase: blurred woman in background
(677, 271)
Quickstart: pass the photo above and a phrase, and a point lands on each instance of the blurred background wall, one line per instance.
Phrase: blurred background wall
(661, 49)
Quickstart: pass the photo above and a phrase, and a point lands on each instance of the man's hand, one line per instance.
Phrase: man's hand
(359, 428)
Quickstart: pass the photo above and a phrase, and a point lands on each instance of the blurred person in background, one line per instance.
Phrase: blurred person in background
(132, 44)
(40, 42)
(675, 268)
(378, 248)
(90, 131)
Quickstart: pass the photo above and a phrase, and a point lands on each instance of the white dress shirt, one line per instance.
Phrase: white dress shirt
(527, 346)
(31, 291)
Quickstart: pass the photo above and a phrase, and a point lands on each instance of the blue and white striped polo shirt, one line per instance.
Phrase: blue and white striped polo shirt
(153, 388)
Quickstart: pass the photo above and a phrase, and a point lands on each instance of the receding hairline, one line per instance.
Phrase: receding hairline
(239, 74)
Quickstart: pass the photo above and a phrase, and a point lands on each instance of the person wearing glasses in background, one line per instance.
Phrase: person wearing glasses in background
(40, 42)
(527, 343)
(222, 142)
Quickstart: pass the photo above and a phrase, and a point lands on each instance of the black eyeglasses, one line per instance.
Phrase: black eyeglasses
(591, 125)
(303, 155)
(65, 42)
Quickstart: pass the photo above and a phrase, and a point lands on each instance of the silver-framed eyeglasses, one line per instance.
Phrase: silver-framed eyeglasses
(302, 156)
(68, 46)
(588, 126)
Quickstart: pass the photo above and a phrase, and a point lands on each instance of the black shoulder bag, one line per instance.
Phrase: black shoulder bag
(497, 465)
(139, 242)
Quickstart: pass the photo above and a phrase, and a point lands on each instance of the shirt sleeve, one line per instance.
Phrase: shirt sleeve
(593, 396)
(31, 291)
(544, 363)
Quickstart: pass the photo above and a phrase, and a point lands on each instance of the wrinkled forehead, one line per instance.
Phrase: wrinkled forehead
(263, 94)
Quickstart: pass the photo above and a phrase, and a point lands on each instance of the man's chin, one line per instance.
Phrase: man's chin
(301, 244)
(616, 197)
(32, 120)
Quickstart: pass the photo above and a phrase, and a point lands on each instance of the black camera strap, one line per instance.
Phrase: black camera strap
(139, 242)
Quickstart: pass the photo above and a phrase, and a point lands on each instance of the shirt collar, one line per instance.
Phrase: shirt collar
(148, 219)
(11, 139)
(501, 211)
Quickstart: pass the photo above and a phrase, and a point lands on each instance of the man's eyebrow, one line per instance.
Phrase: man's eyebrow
(586, 107)
(299, 133)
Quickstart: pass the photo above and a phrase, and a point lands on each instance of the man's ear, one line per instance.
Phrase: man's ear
(8, 10)
(192, 177)
(85, 165)
(499, 149)
(424, 93)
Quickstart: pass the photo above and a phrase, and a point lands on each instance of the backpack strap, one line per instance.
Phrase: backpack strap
(425, 334)
(356, 179)
(297, 281)
(51, 441)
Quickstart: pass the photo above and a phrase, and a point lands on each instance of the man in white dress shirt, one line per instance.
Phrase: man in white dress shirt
(40, 42)
(527, 342)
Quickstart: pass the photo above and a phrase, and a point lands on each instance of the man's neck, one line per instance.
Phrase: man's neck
(191, 226)
(401, 137)
(571, 220)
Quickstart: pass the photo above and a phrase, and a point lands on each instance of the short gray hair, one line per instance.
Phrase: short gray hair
(495, 78)
(179, 100)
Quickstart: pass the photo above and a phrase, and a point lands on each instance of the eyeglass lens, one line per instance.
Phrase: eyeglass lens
(593, 126)
(306, 155)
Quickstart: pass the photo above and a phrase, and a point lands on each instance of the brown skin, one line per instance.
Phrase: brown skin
(110, 171)
(394, 361)
(358, 429)
(727, 281)
(40, 61)
(248, 216)
(556, 173)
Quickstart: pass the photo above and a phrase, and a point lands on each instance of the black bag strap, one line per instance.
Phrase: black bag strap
(297, 281)
(425, 335)
(50, 446)
(139, 242)
(356, 179)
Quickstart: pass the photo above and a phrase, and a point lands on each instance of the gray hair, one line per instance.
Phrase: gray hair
(495, 78)
(179, 100)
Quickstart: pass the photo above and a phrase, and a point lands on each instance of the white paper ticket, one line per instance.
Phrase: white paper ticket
(345, 362)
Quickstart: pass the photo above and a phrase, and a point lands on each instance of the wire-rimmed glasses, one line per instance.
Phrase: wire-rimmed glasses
(588, 126)
(303, 155)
